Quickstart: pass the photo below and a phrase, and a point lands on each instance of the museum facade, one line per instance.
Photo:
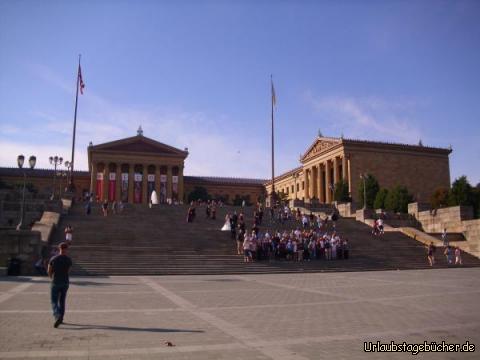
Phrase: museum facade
(130, 169)
(328, 160)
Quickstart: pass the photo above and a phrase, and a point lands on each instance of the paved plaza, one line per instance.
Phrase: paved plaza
(282, 316)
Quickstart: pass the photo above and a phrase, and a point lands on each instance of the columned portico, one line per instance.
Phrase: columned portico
(131, 168)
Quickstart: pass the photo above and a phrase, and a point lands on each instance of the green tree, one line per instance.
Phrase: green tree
(476, 196)
(440, 198)
(461, 192)
(398, 199)
(371, 186)
(281, 196)
(341, 191)
(199, 193)
(379, 202)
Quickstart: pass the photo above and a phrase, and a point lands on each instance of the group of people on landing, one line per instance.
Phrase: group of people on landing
(453, 254)
(294, 245)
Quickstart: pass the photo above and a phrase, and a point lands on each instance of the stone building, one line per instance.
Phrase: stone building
(129, 169)
(420, 168)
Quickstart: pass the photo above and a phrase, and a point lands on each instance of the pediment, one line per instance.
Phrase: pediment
(320, 145)
(140, 144)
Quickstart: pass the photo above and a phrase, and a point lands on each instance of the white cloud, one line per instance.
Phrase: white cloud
(369, 118)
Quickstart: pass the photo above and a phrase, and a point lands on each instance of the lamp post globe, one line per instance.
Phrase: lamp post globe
(20, 161)
(32, 161)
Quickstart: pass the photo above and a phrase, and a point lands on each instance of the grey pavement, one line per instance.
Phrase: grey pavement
(268, 316)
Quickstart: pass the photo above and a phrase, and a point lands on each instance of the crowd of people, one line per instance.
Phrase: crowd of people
(290, 235)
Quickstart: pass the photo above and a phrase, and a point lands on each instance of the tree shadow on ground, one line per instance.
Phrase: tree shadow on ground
(73, 326)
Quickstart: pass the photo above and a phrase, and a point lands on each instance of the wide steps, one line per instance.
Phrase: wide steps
(158, 241)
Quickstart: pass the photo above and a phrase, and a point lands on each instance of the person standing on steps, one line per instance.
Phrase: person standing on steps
(431, 253)
(58, 270)
(68, 234)
(105, 208)
(444, 237)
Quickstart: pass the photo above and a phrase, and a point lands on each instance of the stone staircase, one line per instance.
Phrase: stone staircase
(158, 241)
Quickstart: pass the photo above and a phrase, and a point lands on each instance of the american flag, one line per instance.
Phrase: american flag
(80, 80)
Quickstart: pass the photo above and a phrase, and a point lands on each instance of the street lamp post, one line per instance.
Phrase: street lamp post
(20, 161)
(362, 176)
(61, 174)
(55, 160)
(68, 165)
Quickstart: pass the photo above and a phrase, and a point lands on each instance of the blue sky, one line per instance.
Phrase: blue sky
(196, 74)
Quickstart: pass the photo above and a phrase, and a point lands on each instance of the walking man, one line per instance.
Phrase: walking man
(58, 270)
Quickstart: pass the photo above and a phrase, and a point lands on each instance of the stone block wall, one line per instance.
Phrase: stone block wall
(346, 209)
(420, 172)
(25, 245)
(451, 218)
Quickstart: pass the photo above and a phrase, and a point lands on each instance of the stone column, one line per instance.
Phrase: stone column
(321, 184)
(180, 183)
(344, 168)
(93, 175)
(307, 185)
(145, 199)
(349, 178)
(106, 180)
(130, 182)
(336, 175)
(118, 182)
(169, 182)
(328, 192)
(314, 182)
(157, 180)
(295, 179)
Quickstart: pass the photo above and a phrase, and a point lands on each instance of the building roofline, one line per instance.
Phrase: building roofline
(223, 180)
(284, 175)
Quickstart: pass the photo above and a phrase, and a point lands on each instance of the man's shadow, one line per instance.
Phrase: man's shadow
(72, 326)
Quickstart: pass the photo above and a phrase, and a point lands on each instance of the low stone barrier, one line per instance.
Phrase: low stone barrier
(25, 245)
(46, 225)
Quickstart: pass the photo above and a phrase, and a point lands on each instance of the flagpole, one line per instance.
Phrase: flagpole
(72, 185)
(272, 199)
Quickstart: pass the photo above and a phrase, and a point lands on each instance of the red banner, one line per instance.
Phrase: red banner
(111, 186)
(137, 188)
(100, 186)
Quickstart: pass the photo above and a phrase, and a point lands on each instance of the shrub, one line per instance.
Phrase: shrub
(397, 199)
(440, 198)
(198, 193)
(372, 187)
(379, 202)
(341, 191)
(461, 192)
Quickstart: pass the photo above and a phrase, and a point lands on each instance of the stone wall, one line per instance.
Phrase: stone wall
(217, 189)
(25, 245)
(346, 209)
(456, 219)
(451, 218)
(420, 172)
(10, 209)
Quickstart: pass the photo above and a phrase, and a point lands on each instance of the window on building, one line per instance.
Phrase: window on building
(292, 190)
(298, 187)
(303, 185)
